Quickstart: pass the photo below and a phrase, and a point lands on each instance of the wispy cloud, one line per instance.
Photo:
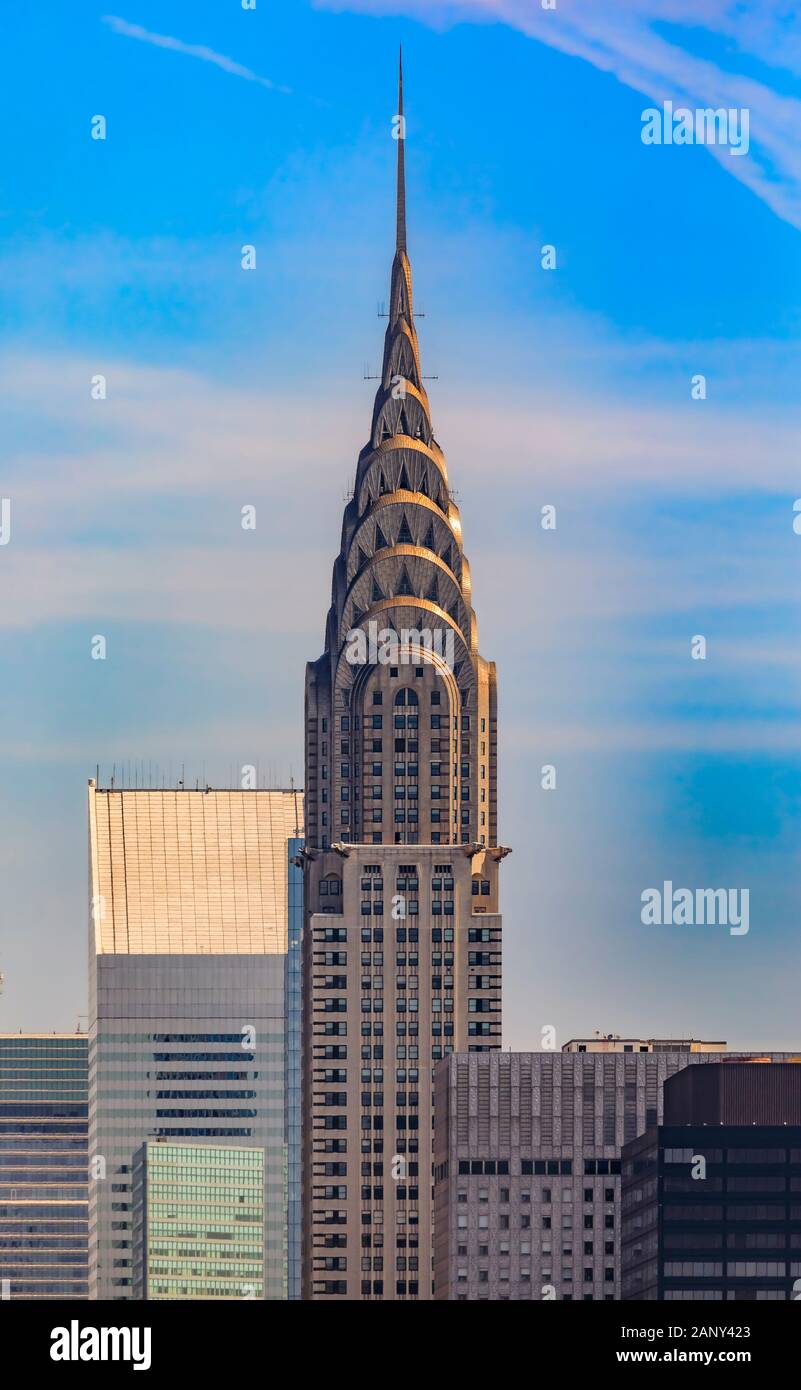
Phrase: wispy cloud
(127, 512)
(628, 40)
(192, 50)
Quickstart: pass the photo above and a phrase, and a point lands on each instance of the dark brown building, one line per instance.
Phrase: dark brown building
(711, 1200)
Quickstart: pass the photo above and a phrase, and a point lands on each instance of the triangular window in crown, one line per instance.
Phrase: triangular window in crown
(423, 486)
(429, 541)
(380, 539)
(405, 586)
(404, 479)
(377, 594)
(404, 535)
(456, 669)
(361, 560)
(357, 616)
(382, 485)
(453, 612)
(433, 592)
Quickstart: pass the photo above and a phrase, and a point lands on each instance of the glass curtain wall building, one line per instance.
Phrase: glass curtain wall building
(43, 1165)
(198, 1221)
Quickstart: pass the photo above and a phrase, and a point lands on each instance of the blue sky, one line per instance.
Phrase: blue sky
(569, 387)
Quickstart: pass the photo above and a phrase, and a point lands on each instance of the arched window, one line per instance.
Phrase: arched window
(406, 697)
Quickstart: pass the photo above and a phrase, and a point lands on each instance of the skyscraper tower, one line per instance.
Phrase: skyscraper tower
(402, 942)
(192, 1024)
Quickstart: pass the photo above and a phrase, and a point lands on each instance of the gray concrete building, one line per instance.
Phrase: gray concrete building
(527, 1162)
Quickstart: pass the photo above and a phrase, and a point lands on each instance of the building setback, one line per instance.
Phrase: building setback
(711, 1199)
(188, 994)
(527, 1155)
(402, 942)
(612, 1042)
(43, 1165)
(198, 1221)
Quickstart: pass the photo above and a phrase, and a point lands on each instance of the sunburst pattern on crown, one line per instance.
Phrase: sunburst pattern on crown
(401, 565)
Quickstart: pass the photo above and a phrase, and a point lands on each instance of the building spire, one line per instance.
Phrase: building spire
(400, 238)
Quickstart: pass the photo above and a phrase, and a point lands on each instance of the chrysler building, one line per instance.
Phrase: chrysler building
(402, 934)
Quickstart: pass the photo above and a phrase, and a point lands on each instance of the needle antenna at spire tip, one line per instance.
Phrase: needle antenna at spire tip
(400, 238)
